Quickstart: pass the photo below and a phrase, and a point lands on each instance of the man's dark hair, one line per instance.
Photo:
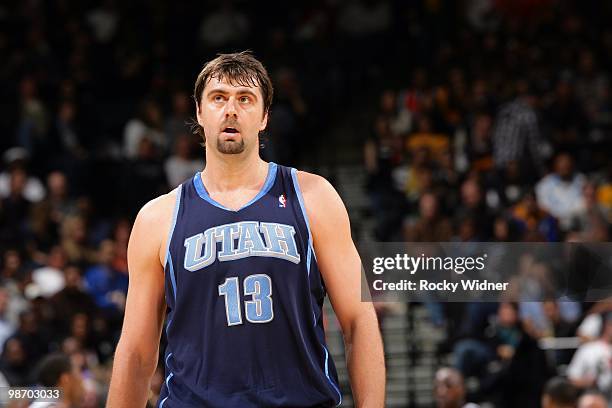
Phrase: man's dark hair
(240, 68)
(561, 391)
(51, 368)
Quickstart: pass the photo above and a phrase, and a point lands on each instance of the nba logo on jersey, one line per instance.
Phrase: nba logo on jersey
(282, 201)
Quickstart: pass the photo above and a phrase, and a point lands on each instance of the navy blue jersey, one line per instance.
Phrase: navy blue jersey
(245, 297)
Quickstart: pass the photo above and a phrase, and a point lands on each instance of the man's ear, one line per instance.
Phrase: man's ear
(264, 122)
(199, 115)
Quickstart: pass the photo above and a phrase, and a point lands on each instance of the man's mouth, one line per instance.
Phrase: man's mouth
(230, 130)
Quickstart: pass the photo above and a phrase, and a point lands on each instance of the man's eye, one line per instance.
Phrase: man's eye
(218, 98)
(245, 99)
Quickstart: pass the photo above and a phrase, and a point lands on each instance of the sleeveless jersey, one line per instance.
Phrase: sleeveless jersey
(245, 296)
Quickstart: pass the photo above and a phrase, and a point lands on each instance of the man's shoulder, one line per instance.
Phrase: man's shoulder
(150, 230)
(159, 208)
(154, 219)
(311, 183)
(321, 199)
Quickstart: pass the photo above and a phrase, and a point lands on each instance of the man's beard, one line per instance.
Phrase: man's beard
(230, 147)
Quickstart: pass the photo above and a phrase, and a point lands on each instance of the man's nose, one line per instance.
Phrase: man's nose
(230, 108)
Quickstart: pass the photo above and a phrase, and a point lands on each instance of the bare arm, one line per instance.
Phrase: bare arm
(137, 352)
(340, 267)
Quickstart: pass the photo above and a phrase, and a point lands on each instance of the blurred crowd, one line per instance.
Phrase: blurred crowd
(558, 392)
(96, 111)
(491, 120)
(503, 133)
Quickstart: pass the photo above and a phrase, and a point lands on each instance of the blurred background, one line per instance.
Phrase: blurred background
(471, 120)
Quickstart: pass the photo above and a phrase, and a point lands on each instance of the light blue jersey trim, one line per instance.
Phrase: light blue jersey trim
(161, 404)
(201, 189)
(272, 168)
(310, 253)
(172, 277)
(328, 377)
(310, 250)
(296, 186)
(177, 205)
(168, 262)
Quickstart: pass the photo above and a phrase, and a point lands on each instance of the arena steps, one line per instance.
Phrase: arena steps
(409, 337)
(410, 356)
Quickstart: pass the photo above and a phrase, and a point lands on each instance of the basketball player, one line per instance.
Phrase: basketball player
(242, 255)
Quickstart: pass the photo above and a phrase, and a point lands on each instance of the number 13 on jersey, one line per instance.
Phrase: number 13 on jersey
(257, 310)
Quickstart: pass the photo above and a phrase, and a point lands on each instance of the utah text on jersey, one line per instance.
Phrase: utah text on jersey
(278, 241)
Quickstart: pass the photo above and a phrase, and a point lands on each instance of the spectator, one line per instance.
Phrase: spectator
(559, 393)
(424, 138)
(552, 318)
(74, 240)
(590, 224)
(604, 193)
(416, 177)
(144, 177)
(6, 327)
(480, 144)
(104, 21)
(383, 154)
(590, 366)
(71, 299)
(566, 116)
(288, 127)
(15, 209)
(534, 221)
(84, 363)
(449, 389)
(473, 212)
(13, 363)
(504, 229)
(176, 123)
(592, 399)
(56, 371)
(121, 236)
(49, 279)
(107, 286)
(360, 18)
(507, 186)
(32, 129)
(592, 85)
(182, 164)
(561, 192)
(35, 339)
(13, 280)
(47, 215)
(502, 338)
(68, 145)
(149, 125)
(224, 27)
(517, 137)
(431, 226)
(17, 158)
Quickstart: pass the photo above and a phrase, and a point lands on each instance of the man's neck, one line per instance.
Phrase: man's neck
(227, 174)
